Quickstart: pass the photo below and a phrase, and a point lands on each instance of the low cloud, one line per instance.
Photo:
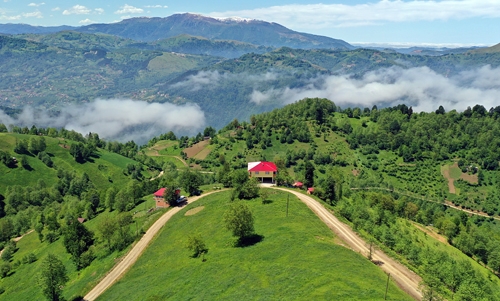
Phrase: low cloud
(201, 80)
(420, 87)
(211, 79)
(117, 119)
(129, 9)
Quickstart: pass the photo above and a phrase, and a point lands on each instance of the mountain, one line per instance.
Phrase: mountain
(492, 49)
(249, 31)
(26, 28)
(203, 46)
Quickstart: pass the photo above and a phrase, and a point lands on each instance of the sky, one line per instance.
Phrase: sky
(451, 23)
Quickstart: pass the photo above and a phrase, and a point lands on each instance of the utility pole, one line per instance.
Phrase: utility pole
(387, 285)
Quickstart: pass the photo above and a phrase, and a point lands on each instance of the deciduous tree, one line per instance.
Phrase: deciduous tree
(52, 277)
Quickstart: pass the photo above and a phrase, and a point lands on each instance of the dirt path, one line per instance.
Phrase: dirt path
(119, 269)
(18, 239)
(407, 280)
(157, 154)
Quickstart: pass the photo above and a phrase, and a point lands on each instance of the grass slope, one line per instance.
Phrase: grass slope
(107, 166)
(21, 285)
(297, 259)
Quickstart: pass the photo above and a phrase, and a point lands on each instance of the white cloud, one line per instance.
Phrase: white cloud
(86, 21)
(36, 4)
(129, 9)
(56, 9)
(10, 18)
(77, 10)
(99, 11)
(36, 14)
(368, 14)
(156, 6)
(117, 119)
(420, 87)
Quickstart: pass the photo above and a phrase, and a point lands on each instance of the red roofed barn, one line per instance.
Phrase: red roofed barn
(160, 200)
(265, 172)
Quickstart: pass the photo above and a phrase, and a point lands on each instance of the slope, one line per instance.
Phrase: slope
(289, 262)
(249, 31)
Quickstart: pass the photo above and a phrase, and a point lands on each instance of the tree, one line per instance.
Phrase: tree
(77, 241)
(107, 228)
(52, 277)
(239, 220)
(191, 181)
(196, 245)
(332, 187)
(309, 174)
(170, 195)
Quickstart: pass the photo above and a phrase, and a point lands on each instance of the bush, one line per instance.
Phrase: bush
(51, 236)
(5, 269)
(29, 258)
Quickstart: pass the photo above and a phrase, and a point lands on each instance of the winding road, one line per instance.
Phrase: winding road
(120, 268)
(407, 280)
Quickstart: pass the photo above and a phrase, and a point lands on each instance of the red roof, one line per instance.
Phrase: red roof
(160, 192)
(310, 189)
(298, 184)
(262, 166)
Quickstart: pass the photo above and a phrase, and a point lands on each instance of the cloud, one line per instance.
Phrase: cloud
(10, 18)
(36, 4)
(200, 80)
(420, 87)
(211, 79)
(77, 10)
(99, 11)
(117, 119)
(56, 9)
(156, 6)
(314, 16)
(36, 14)
(129, 9)
(86, 21)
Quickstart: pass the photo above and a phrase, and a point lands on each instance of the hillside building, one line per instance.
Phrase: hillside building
(159, 198)
(263, 171)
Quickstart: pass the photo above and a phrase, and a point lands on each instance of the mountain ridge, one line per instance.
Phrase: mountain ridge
(148, 29)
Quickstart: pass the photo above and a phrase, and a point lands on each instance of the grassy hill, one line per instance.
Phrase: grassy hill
(106, 169)
(21, 284)
(385, 165)
(297, 258)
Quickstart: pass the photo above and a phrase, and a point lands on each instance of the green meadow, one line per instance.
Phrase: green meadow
(296, 259)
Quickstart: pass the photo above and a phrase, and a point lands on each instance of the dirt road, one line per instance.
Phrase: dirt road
(132, 256)
(407, 280)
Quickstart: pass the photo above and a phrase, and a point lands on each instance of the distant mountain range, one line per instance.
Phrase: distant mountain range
(239, 67)
(151, 29)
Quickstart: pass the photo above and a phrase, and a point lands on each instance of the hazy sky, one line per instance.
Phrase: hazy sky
(459, 22)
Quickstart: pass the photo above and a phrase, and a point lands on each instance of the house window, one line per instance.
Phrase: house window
(267, 172)
(256, 172)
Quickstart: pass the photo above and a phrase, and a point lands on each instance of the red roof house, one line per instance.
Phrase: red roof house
(310, 190)
(298, 184)
(264, 171)
(159, 199)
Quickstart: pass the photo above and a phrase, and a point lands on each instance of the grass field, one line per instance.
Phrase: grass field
(105, 170)
(21, 285)
(297, 259)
